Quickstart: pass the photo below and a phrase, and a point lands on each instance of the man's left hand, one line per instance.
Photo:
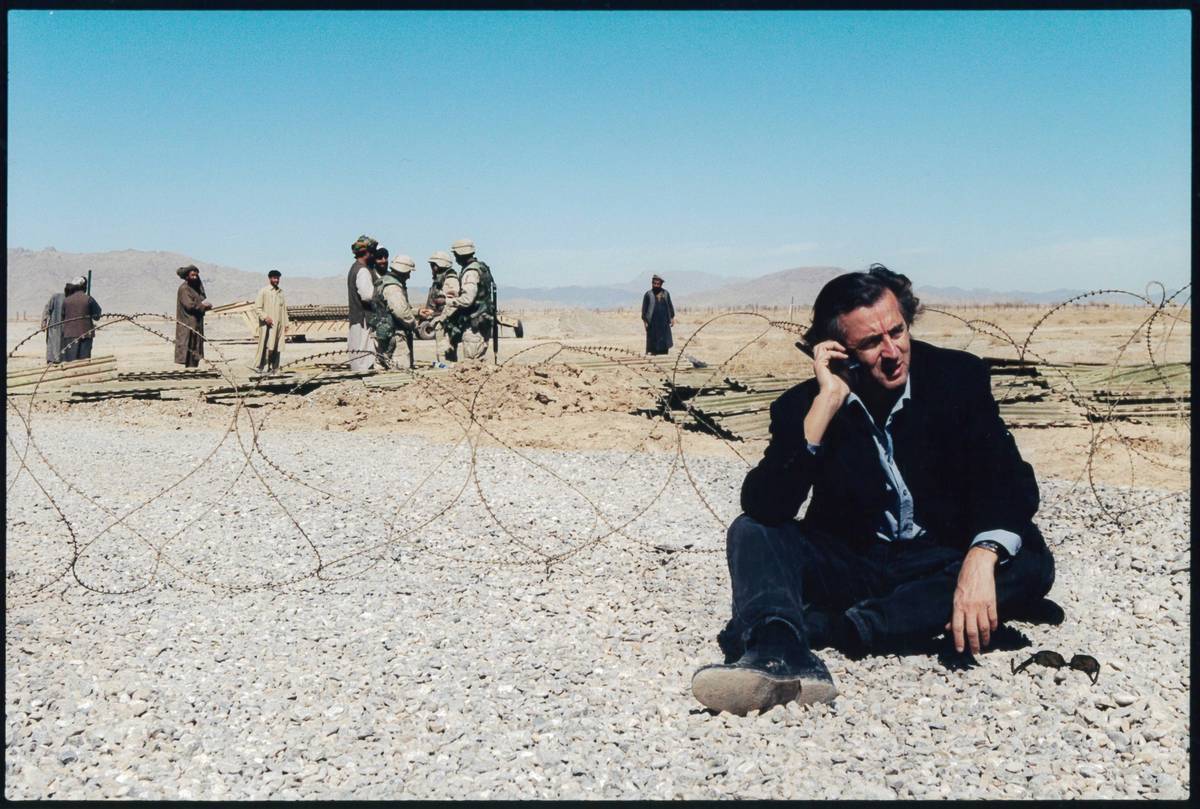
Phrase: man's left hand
(974, 615)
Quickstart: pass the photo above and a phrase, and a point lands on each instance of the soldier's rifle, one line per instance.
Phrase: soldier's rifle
(495, 325)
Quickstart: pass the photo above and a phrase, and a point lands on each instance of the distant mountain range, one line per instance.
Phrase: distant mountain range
(133, 281)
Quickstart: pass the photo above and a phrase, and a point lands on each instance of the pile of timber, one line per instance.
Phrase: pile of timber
(96, 379)
(1029, 395)
(146, 385)
(318, 311)
(61, 377)
(302, 320)
(294, 382)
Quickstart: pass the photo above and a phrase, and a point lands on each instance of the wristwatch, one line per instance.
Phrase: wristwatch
(993, 546)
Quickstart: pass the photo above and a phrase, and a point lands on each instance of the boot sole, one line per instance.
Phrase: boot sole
(741, 690)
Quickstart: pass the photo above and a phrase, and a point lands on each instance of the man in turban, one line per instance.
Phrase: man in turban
(658, 316)
(360, 288)
(190, 305)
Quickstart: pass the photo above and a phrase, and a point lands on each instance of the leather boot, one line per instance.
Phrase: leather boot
(777, 667)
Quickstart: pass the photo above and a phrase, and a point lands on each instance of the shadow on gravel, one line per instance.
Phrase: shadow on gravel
(1006, 638)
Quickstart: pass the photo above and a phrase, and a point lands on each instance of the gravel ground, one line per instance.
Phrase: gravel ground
(477, 630)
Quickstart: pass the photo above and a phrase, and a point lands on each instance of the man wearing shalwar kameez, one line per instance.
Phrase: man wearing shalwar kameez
(190, 306)
(271, 310)
(360, 283)
(658, 315)
(52, 318)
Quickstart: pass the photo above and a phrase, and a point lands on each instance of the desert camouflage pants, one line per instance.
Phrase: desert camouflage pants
(396, 351)
(469, 345)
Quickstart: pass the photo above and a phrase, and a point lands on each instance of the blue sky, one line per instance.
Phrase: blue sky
(1009, 150)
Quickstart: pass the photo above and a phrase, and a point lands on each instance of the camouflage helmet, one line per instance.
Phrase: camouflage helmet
(402, 264)
(463, 247)
(442, 259)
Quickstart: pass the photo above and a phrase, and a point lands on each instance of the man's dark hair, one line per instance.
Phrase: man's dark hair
(852, 290)
(381, 252)
(70, 288)
(274, 274)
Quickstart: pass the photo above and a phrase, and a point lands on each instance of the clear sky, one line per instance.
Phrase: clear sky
(1008, 150)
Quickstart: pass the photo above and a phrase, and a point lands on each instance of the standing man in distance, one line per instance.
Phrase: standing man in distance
(271, 309)
(658, 316)
(80, 311)
(921, 518)
(190, 305)
(468, 318)
(52, 318)
(360, 288)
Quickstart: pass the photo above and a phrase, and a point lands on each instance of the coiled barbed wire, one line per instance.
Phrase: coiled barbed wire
(406, 536)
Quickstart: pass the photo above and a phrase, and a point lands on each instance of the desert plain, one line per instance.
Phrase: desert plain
(495, 582)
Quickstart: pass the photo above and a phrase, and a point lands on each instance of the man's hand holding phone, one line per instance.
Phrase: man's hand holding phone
(830, 366)
(833, 366)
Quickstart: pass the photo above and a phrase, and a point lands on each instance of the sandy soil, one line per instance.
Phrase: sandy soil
(527, 403)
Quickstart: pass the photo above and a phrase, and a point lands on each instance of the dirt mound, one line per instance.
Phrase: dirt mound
(493, 393)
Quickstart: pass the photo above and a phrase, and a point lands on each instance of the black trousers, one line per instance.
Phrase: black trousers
(894, 593)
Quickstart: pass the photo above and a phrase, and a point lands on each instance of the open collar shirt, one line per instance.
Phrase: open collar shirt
(897, 523)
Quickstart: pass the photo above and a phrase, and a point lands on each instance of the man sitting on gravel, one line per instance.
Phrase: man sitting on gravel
(921, 517)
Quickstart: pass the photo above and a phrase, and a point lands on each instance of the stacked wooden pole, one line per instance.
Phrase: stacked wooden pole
(62, 376)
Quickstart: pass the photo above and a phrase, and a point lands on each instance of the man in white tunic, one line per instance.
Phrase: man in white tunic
(360, 283)
(271, 310)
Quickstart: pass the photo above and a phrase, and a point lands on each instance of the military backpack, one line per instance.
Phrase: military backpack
(481, 310)
(380, 318)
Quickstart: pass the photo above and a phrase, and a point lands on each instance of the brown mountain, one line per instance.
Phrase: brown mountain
(774, 289)
(132, 281)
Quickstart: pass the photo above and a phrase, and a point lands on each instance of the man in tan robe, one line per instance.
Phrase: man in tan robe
(190, 306)
(271, 310)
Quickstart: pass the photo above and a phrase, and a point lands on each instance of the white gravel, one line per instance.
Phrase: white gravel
(452, 662)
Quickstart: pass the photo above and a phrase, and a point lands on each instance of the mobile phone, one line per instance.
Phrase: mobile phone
(846, 369)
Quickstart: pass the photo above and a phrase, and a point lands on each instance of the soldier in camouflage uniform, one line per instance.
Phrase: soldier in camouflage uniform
(468, 318)
(392, 315)
(444, 284)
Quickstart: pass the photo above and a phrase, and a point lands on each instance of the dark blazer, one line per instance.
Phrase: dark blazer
(956, 456)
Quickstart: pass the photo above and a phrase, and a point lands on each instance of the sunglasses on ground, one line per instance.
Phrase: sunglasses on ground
(1085, 663)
